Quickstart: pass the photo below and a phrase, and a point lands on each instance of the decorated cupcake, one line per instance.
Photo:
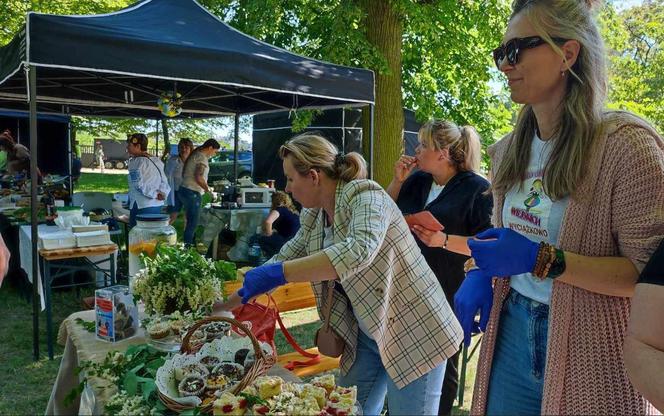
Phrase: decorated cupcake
(210, 361)
(191, 385)
(178, 326)
(231, 370)
(196, 369)
(159, 330)
(217, 382)
(215, 330)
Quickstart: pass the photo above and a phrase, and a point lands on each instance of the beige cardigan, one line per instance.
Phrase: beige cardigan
(620, 213)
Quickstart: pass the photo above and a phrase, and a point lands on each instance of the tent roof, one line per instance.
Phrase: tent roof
(119, 63)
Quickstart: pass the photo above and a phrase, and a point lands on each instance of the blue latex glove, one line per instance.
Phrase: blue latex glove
(261, 280)
(506, 253)
(475, 294)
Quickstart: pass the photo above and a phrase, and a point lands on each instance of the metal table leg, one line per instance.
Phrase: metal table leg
(49, 313)
(113, 279)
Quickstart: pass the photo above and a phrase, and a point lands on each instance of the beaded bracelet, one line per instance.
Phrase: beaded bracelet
(546, 255)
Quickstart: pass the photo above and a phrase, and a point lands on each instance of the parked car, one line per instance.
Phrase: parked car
(221, 165)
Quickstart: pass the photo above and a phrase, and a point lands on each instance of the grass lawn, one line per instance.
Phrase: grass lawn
(26, 385)
(99, 182)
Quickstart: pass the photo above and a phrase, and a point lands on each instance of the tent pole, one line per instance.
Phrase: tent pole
(236, 144)
(157, 138)
(32, 82)
(371, 141)
(70, 153)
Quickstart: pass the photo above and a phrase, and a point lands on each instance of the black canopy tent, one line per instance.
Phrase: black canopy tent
(119, 64)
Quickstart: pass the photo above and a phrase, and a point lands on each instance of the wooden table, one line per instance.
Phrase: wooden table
(46, 259)
(81, 345)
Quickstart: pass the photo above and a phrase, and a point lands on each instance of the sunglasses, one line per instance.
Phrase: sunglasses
(513, 47)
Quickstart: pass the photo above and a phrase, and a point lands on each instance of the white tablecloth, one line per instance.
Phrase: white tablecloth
(25, 250)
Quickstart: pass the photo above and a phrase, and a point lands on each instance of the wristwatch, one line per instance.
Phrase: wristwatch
(558, 265)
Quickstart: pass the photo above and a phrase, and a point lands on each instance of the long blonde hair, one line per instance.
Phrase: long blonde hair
(312, 151)
(463, 142)
(580, 122)
(282, 199)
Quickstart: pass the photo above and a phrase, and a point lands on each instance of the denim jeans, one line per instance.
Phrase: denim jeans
(420, 397)
(517, 372)
(138, 211)
(191, 202)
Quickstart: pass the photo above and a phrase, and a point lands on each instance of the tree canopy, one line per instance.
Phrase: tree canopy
(634, 39)
(430, 56)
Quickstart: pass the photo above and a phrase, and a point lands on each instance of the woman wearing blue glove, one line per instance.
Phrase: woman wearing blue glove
(578, 194)
(397, 328)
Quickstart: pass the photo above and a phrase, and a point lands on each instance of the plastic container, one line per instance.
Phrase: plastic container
(150, 230)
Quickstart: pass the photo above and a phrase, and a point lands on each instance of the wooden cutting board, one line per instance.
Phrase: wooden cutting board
(69, 253)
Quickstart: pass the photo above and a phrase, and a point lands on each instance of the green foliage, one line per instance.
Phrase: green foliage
(179, 279)
(89, 326)
(446, 49)
(133, 372)
(634, 39)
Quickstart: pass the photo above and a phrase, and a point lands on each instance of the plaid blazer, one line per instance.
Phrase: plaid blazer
(388, 282)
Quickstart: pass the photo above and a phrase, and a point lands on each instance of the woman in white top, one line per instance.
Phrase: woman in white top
(148, 186)
(173, 171)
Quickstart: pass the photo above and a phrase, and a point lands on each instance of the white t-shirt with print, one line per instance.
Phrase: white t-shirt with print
(529, 211)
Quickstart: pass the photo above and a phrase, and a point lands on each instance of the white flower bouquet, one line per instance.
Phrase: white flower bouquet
(180, 279)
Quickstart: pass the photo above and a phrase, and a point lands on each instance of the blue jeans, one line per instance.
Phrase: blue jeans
(191, 202)
(420, 397)
(517, 372)
(177, 204)
(139, 211)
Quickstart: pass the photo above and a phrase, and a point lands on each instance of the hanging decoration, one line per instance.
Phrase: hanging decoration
(170, 103)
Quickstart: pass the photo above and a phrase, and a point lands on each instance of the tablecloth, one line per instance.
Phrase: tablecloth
(81, 345)
(25, 250)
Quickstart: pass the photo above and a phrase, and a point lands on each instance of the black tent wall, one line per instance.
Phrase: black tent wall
(343, 127)
(53, 141)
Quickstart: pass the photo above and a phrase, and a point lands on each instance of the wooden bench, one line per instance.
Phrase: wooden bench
(293, 297)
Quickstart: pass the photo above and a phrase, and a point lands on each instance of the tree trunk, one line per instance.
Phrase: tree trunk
(167, 141)
(385, 32)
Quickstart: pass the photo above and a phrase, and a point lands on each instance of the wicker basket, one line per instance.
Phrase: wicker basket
(261, 365)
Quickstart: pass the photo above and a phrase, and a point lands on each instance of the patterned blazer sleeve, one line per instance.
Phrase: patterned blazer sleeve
(366, 229)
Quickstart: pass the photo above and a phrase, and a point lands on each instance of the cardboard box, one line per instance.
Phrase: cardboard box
(116, 313)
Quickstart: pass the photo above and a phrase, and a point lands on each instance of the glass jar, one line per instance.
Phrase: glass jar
(150, 230)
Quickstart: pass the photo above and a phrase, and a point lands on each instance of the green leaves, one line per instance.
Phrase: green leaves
(88, 325)
(634, 39)
(133, 372)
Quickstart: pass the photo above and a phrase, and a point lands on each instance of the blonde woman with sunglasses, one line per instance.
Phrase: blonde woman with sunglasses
(577, 194)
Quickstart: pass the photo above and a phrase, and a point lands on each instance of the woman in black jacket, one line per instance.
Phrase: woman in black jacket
(447, 185)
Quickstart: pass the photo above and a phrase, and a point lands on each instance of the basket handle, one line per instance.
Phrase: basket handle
(187, 348)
